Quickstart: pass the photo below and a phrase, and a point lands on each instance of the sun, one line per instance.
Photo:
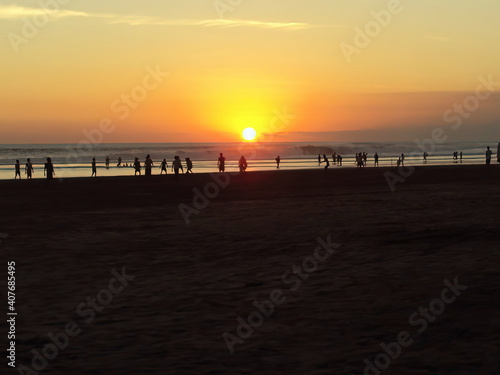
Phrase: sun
(249, 134)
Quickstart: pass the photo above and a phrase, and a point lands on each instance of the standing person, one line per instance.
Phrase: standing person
(18, 170)
(402, 159)
(242, 164)
(164, 166)
(148, 165)
(107, 162)
(278, 160)
(319, 159)
(339, 159)
(425, 156)
(137, 167)
(365, 158)
(461, 156)
(334, 158)
(189, 165)
(376, 160)
(29, 169)
(221, 163)
(327, 163)
(176, 165)
(119, 162)
(49, 169)
(94, 168)
(488, 155)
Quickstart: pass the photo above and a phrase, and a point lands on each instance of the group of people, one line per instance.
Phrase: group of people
(149, 164)
(177, 167)
(29, 170)
(336, 160)
(456, 155)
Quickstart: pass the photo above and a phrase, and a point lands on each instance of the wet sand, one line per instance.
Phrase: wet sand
(192, 281)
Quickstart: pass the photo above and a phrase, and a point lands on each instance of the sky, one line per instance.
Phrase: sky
(204, 70)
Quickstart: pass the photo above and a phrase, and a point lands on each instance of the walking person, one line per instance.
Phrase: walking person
(327, 163)
(94, 168)
(18, 170)
(119, 162)
(29, 169)
(278, 160)
(48, 169)
(242, 164)
(176, 165)
(339, 160)
(189, 166)
(137, 167)
(164, 166)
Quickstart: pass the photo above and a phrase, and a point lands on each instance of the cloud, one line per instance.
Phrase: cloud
(15, 12)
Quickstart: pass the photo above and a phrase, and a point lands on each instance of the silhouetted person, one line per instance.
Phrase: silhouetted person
(107, 162)
(221, 163)
(425, 156)
(119, 162)
(327, 163)
(339, 160)
(29, 169)
(17, 167)
(278, 160)
(94, 168)
(164, 166)
(176, 165)
(48, 169)
(148, 165)
(403, 159)
(376, 159)
(488, 155)
(399, 161)
(461, 155)
(243, 164)
(319, 159)
(334, 158)
(365, 158)
(189, 165)
(137, 166)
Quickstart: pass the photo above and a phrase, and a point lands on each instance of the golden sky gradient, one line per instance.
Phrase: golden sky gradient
(85, 58)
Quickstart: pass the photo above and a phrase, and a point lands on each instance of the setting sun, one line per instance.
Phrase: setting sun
(249, 134)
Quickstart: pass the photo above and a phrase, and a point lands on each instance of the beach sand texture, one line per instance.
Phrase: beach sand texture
(193, 281)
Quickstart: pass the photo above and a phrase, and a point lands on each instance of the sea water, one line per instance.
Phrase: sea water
(75, 160)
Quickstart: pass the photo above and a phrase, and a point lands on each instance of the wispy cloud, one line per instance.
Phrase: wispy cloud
(14, 11)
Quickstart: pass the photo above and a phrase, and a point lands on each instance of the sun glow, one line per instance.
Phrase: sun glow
(249, 134)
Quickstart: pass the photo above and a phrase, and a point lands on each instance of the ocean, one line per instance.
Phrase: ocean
(75, 160)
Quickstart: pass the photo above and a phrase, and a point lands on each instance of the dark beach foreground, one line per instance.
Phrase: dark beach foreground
(111, 280)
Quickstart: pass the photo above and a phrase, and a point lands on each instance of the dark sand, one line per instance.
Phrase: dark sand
(193, 281)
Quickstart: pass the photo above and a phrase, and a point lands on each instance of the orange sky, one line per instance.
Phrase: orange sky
(225, 74)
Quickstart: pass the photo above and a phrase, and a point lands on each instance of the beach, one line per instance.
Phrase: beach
(203, 252)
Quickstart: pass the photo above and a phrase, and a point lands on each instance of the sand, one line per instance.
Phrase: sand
(192, 281)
